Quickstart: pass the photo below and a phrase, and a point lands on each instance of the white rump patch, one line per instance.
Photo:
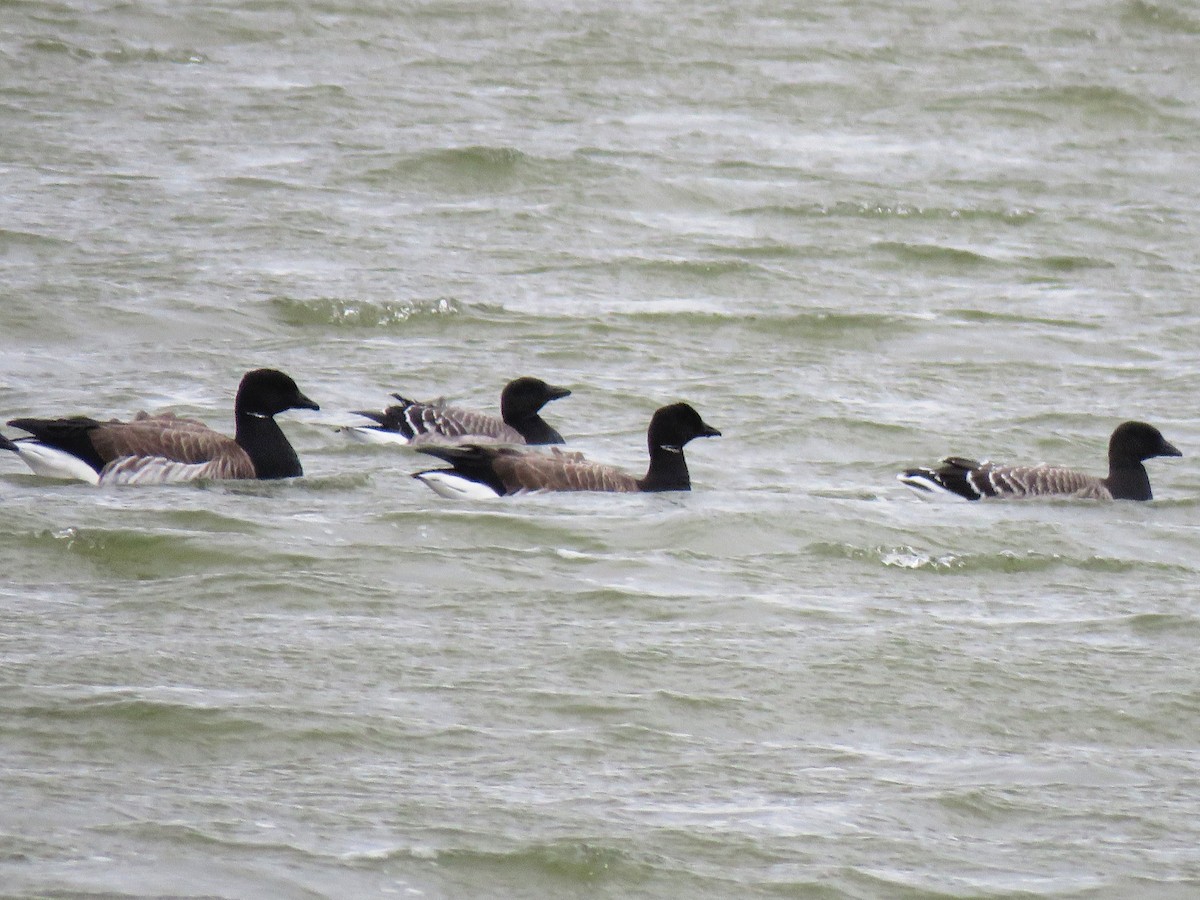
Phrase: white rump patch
(50, 462)
(455, 487)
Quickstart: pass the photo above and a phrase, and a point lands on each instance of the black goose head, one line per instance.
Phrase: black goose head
(267, 392)
(523, 397)
(673, 426)
(1133, 442)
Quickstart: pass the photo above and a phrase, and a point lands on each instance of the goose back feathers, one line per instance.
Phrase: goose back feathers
(489, 471)
(1131, 443)
(520, 422)
(155, 449)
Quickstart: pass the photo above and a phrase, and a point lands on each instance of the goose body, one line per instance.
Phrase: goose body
(158, 449)
(1130, 445)
(416, 422)
(479, 471)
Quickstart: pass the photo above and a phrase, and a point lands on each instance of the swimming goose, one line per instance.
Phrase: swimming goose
(156, 449)
(1131, 443)
(480, 471)
(414, 422)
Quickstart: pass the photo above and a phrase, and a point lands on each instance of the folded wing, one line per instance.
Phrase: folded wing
(508, 470)
(984, 480)
(529, 471)
(423, 422)
(163, 449)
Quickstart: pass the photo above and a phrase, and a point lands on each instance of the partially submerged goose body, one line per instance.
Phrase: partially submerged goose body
(481, 471)
(416, 422)
(1131, 444)
(157, 449)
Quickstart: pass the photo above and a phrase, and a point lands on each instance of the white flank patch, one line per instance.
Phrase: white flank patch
(50, 462)
(455, 487)
(926, 488)
(153, 470)
(368, 435)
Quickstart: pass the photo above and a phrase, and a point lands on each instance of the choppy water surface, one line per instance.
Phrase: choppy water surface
(855, 236)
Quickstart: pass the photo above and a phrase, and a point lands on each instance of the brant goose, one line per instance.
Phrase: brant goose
(1131, 443)
(415, 422)
(488, 471)
(166, 448)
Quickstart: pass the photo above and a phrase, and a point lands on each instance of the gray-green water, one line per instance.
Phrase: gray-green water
(856, 236)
